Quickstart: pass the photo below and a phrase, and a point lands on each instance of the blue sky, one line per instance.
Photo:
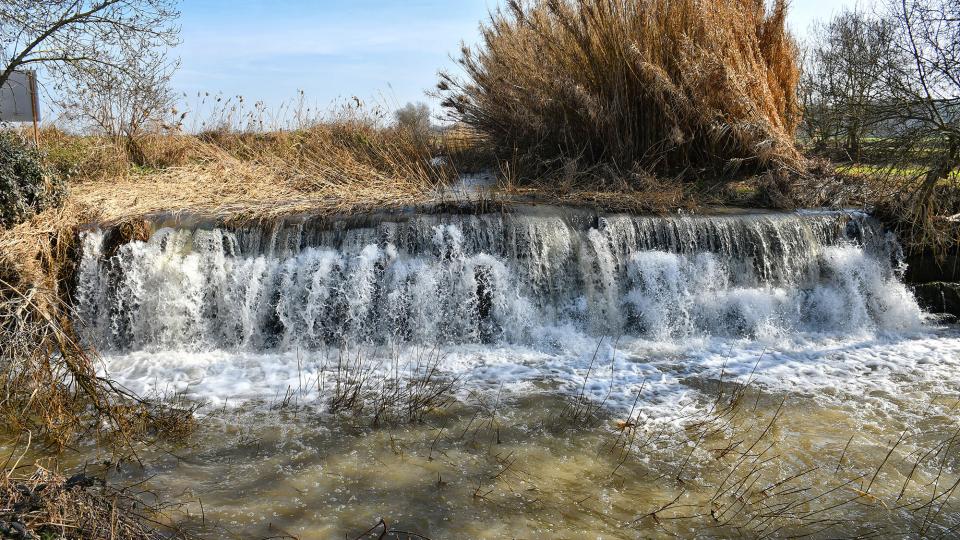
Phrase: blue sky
(386, 51)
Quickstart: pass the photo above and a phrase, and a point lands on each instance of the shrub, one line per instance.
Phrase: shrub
(667, 86)
(414, 118)
(25, 186)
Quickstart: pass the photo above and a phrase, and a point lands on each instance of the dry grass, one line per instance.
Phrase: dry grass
(38, 392)
(46, 504)
(221, 185)
(636, 192)
(360, 385)
(334, 166)
(468, 151)
(670, 87)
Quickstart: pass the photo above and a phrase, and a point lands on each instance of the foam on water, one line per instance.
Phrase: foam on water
(518, 300)
(867, 369)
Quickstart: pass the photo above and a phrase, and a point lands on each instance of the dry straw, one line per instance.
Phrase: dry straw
(674, 87)
(46, 504)
(323, 169)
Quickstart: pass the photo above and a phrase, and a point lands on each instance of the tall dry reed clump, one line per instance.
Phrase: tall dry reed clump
(673, 87)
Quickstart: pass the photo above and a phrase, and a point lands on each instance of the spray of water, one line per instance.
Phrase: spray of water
(495, 279)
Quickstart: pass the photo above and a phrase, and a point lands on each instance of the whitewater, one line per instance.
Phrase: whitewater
(546, 300)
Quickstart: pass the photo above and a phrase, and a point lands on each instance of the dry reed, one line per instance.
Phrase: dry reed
(389, 394)
(41, 366)
(607, 87)
(325, 169)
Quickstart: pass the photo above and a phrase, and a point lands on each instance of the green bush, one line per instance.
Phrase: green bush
(26, 187)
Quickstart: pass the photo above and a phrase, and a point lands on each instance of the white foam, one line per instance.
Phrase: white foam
(193, 290)
(870, 369)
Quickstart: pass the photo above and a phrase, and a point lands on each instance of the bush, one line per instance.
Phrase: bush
(26, 187)
(414, 118)
(678, 87)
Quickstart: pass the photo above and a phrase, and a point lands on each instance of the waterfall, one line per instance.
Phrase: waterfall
(493, 278)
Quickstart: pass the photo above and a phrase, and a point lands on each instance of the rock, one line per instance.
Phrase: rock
(926, 268)
(14, 529)
(80, 480)
(124, 233)
(29, 500)
(939, 297)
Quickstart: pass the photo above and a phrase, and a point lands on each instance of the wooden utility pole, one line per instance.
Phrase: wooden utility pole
(35, 106)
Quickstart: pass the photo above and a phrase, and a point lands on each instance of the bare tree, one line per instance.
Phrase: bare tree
(895, 75)
(122, 104)
(414, 117)
(817, 126)
(82, 34)
(843, 79)
(923, 105)
(106, 59)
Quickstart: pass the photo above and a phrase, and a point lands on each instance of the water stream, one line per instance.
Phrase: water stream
(651, 320)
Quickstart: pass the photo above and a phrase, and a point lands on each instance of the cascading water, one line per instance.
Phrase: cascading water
(492, 279)
(513, 298)
(663, 323)
(655, 320)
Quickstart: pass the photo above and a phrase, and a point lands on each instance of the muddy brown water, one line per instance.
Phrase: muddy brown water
(507, 466)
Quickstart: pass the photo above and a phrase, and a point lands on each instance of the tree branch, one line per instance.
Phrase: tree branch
(19, 59)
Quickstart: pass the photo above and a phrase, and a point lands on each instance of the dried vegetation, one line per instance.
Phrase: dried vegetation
(359, 385)
(333, 166)
(611, 89)
(46, 504)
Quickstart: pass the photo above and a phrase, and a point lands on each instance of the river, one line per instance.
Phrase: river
(545, 372)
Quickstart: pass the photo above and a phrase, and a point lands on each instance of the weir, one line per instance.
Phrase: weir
(505, 277)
